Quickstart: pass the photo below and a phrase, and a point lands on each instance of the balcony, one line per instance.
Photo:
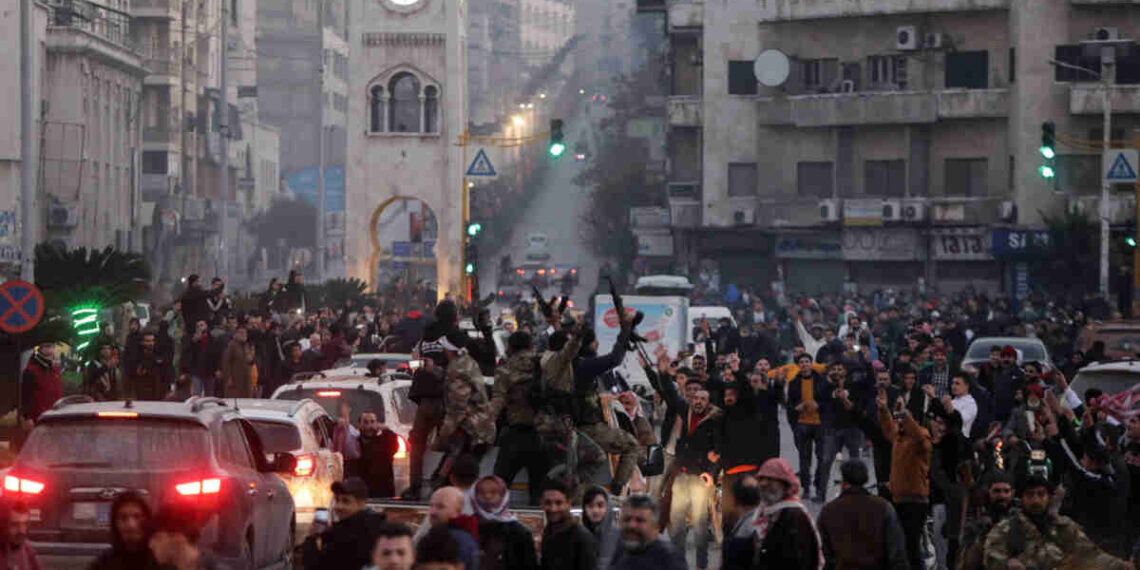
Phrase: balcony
(161, 9)
(162, 70)
(800, 10)
(685, 204)
(1086, 99)
(686, 14)
(883, 107)
(685, 111)
(75, 26)
(154, 187)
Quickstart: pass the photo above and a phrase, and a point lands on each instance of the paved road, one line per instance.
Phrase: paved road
(556, 211)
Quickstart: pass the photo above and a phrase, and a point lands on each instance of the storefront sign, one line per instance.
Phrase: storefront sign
(961, 245)
(654, 243)
(863, 212)
(809, 247)
(649, 217)
(1016, 242)
(881, 244)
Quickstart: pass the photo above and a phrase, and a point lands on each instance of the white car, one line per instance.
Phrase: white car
(1112, 377)
(388, 399)
(537, 247)
(393, 361)
(304, 429)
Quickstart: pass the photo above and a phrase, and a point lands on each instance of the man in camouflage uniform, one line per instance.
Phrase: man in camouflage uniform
(1035, 539)
(998, 506)
(468, 424)
(521, 446)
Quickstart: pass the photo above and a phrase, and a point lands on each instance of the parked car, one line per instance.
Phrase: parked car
(1121, 338)
(303, 429)
(83, 454)
(1028, 350)
(1110, 377)
(387, 399)
(392, 361)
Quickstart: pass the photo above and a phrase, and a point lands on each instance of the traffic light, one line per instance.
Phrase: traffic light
(557, 141)
(474, 228)
(471, 258)
(1048, 150)
(1131, 241)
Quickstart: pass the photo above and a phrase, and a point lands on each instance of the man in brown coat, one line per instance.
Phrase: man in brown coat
(237, 366)
(910, 471)
(860, 530)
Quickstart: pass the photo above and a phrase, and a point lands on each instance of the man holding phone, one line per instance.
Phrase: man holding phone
(351, 540)
(910, 467)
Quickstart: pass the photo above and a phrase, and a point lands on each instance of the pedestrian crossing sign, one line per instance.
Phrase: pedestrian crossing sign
(481, 166)
(1120, 166)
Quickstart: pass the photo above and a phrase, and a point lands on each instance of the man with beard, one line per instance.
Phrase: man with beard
(238, 365)
(782, 528)
(998, 506)
(130, 536)
(150, 375)
(101, 379)
(643, 547)
(377, 446)
(1035, 538)
(16, 553)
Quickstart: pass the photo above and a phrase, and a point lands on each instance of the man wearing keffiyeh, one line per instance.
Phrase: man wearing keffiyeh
(504, 542)
(782, 530)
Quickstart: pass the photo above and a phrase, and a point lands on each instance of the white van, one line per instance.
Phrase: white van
(713, 313)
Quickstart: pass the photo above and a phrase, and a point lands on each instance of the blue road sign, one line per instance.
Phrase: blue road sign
(481, 166)
(21, 306)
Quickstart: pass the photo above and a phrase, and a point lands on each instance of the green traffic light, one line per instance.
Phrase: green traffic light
(473, 229)
(470, 268)
(1131, 241)
(1046, 171)
(1048, 152)
(557, 149)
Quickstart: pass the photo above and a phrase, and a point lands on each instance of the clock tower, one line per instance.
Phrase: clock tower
(407, 110)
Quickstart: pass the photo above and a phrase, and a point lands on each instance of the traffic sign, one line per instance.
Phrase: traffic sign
(1119, 166)
(481, 166)
(21, 306)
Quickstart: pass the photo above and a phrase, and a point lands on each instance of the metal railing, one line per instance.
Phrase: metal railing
(107, 23)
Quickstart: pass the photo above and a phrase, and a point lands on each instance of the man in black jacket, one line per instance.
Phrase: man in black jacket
(810, 415)
(349, 543)
(566, 544)
(643, 547)
(130, 535)
(751, 415)
(194, 306)
(694, 468)
(590, 417)
(427, 386)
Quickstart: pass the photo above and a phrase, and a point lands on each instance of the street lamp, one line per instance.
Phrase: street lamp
(518, 121)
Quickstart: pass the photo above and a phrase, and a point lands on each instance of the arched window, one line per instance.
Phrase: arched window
(376, 109)
(431, 109)
(404, 107)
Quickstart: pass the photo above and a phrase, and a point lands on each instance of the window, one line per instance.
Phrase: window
(968, 69)
(741, 78)
(278, 437)
(340, 102)
(884, 178)
(1128, 69)
(965, 177)
(1012, 65)
(234, 12)
(815, 179)
(818, 74)
(144, 444)
(232, 449)
(887, 71)
(431, 109)
(742, 179)
(1074, 55)
(376, 109)
(404, 108)
(1078, 174)
(154, 162)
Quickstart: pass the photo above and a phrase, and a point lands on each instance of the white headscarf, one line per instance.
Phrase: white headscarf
(498, 513)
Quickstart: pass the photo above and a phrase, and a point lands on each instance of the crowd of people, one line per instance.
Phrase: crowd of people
(994, 465)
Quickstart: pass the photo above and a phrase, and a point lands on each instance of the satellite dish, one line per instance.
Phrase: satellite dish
(772, 68)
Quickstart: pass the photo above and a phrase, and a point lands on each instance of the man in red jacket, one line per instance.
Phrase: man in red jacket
(41, 384)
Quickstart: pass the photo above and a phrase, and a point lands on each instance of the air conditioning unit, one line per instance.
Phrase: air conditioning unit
(63, 216)
(847, 86)
(1106, 33)
(892, 210)
(829, 210)
(744, 217)
(1007, 212)
(906, 38)
(933, 40)
(913, 211)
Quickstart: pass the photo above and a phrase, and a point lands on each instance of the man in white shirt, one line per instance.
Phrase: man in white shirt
(963, 402)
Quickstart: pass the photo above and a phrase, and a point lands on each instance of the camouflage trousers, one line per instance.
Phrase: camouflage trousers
(618, 442)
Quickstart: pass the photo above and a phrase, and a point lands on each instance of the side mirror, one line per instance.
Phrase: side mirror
(283, 463)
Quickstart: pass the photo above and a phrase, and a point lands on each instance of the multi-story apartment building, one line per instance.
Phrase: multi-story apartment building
(885, 141)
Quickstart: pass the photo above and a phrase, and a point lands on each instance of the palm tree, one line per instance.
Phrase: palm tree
(69, 277)
(336, 292)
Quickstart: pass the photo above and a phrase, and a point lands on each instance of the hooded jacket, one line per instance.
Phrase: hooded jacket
(608, 536)
(120, 557)
(42, 386)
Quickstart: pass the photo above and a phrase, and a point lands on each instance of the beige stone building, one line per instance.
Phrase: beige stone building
(901, 142)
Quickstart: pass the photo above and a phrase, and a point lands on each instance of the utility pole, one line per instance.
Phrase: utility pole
(28, 208)
(319, 254)
(1107, 61)
(224, 138)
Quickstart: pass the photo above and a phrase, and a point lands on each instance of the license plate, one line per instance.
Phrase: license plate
(99, 513)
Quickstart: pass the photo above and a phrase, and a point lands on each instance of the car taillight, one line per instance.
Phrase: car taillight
(541, 272)
(210, 486)
(13, 484)
(118, 414)
(305, 466)
(329, 393)
(402, 450)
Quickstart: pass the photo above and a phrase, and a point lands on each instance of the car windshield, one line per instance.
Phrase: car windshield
(331, 399)
(1109, 382)
(278, 437)
(1120, 342)
(405, 407)
(151, 444)
(1029, 351)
